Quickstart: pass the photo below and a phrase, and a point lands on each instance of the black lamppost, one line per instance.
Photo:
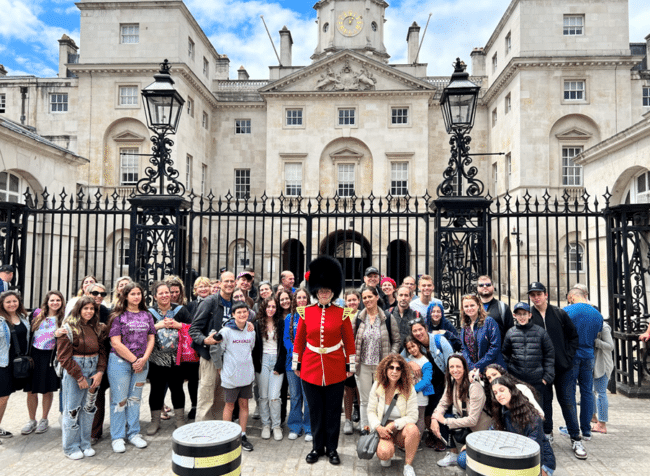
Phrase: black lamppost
(163, 107)
(458, 104)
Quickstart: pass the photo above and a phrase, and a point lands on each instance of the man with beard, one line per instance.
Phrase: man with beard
(497, 310)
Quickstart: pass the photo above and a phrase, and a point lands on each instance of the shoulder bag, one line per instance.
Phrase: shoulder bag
(23, 365)
(367, 444)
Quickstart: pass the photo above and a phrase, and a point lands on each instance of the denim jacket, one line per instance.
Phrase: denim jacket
(5, 339)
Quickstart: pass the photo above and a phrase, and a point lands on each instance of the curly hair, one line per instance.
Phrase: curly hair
(405, 382)
(450, 382)
(489, 396)
(523, 412)
(74, 320)
(263, 316)
(464, 319)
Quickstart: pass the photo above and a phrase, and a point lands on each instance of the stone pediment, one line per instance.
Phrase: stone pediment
(346, 153)
(347, 71)
(128, 136)
(574, 133)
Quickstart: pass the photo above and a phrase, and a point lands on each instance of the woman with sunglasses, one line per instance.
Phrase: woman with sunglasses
(462, 406)
(83, 291)
(392, 379)
(479, 335)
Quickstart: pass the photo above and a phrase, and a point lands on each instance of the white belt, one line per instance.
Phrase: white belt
(324, 350)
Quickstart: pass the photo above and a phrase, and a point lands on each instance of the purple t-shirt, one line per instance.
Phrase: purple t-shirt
(133, 327)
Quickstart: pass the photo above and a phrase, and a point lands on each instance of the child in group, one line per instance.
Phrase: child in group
(233, 358)
(423, 387)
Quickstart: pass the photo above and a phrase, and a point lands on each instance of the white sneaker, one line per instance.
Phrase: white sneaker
(138, 442)
(75, 455)
(450, 459)
(579, 450)
(308, 437)
(408, 470)
(293, 435)
(118, 446)
(89, 452)
(42, 426)
(277, 433)
(266, 432)
(347, 427)
(29, 428)
(385, 463)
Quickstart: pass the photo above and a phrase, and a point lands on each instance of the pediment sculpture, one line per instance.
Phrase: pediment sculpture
(346, 79)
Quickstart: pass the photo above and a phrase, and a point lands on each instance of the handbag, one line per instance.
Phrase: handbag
(23, 365)
(186, 352)
(460, 434)
(367, 444)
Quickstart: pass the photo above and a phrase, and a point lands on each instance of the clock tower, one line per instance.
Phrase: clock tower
(351, 25)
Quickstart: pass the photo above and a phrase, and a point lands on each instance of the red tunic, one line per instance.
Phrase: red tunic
(324, 328)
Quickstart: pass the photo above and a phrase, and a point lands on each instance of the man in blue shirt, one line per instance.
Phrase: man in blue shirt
(588, 322)
(6, 275)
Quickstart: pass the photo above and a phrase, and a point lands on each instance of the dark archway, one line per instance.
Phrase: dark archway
(352, 250)
(293, 258)
(398, 260)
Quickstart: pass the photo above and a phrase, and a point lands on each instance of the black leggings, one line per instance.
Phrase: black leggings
(190, 371)
(161, 378)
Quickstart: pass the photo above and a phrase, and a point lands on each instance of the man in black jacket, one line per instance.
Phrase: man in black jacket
(564, 336)
(211, 315)
(497, 310)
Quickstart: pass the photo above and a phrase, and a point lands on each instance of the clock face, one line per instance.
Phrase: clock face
(349, 23)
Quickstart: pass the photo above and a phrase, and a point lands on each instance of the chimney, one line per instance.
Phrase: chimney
(23, 100)
(222, 67)
(285, 46)
(67, 47)
(3, 71)
(478, 62)
(413, 40)
(242, 74)
(647, 52)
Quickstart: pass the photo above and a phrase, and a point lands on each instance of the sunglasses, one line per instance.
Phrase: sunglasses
(417, 320)
(484, 285)
(395, 367)
(99, 293)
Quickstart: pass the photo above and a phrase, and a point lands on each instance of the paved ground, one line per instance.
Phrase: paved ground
(624, 451)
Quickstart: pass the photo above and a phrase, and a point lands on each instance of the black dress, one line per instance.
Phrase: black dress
(9, 384)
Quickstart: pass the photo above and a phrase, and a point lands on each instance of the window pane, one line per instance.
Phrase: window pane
(242, 183)
(399, 178)
(293, 179)
(294, 117)
(399, 115)
(242, 126)
(346, 117)
(129, 165)
(571, 172)
(130, 33)
(346, 180)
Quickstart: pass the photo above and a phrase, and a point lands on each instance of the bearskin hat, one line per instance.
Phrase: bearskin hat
(324, 272)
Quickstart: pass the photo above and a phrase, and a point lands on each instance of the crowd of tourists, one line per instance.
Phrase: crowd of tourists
(385, 352)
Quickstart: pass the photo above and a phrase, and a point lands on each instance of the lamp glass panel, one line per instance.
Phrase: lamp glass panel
(461, 108)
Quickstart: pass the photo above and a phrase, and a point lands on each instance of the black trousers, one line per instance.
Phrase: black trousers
(162, 378)
(325, 414)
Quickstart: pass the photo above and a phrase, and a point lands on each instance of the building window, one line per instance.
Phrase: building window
(242, 126)
(571, 172)
(494, 62)
(129, 165)
(292, 180)
(10, 188)
(346, 117)
(188, 172)
(399, 178)
(294, 117)
(509, 170)
(206, 68)
(494, 117)
(646, 99)
(574, 90)
(373, 25)
(508, 105)
(346, 180)
(399, 115)
(204, 177)
(190, 107)
(242, 184)
(574, 25)
(122, 247)
(3, 103)
(59, 102)
(204, 121)
(508, 43)
(574, 253)
(190, 48)
(130, 33)
(128, 95)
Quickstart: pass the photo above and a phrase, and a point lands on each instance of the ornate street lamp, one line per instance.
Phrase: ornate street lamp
(458, 104)
(163, 107)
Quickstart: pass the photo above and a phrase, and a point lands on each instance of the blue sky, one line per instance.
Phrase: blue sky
(29, 30)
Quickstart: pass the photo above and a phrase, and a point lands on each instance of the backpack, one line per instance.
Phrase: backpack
(166, 339)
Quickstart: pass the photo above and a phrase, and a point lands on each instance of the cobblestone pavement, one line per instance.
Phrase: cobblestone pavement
(624, 451)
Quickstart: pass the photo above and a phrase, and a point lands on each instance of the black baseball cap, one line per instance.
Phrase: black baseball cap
(371, 270)
(521, 305)
(6, 268)
(536, 286)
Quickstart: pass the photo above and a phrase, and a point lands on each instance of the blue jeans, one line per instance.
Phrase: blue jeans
(77, 415)
(126, 393)
(298, 419)
(565, 386)
(270, 386)
(583, 372)
(602, 403)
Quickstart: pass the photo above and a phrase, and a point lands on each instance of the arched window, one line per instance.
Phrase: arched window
(639, 189)
(574, 253)
(11, 188)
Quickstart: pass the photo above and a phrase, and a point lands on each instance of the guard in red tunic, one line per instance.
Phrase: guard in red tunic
(324, 356)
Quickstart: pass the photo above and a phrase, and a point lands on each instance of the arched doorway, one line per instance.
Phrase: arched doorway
(352, 250)
(293, 258)
(399, 260)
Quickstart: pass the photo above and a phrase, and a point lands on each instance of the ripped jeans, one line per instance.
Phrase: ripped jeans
(78, 410)
(126, 394)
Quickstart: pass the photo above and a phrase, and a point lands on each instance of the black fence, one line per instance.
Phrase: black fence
(54, 241)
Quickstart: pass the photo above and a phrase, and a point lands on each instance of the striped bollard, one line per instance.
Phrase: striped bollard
(207, 448)
(500, 453)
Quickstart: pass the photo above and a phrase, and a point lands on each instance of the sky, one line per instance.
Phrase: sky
(29, 30)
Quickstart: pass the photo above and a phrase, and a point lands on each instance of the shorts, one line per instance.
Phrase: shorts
(230, 395)
(351, 382)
